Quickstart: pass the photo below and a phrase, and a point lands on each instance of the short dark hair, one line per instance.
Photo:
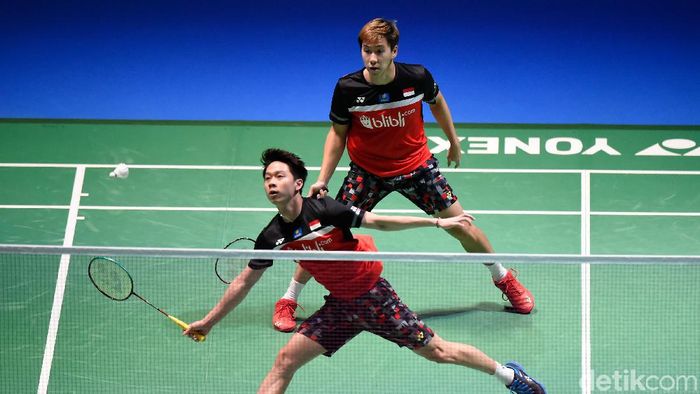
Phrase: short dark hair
(296, 165)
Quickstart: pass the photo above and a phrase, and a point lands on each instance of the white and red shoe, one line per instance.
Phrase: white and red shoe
(520, 298)
(283, 317)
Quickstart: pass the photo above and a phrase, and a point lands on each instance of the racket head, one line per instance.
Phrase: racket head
(110, 278)
(227, 269)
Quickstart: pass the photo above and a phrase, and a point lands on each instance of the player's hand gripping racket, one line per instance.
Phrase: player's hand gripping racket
(112, 280)
(228, 268)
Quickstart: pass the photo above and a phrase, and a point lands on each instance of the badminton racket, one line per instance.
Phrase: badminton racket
(227, 268)
(112, 280)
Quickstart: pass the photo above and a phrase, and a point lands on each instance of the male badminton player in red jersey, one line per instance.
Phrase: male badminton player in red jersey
(360, 299)
(377, 114)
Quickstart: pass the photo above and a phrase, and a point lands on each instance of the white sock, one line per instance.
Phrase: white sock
(498, 271)
(294, 290)
(504, 374)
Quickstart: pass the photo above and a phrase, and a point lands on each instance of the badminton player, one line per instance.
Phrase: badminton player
(360, 299)
(377, 114)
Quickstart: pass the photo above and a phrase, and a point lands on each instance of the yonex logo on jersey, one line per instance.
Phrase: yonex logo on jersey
(279, 242)
(360, 100)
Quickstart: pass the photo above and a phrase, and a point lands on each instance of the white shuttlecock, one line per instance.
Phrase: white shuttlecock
(121, 171)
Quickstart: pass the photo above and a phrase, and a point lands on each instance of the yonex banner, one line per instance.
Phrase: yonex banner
(594, 147)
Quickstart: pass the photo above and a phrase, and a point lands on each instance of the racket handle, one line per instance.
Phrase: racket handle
(197, 337)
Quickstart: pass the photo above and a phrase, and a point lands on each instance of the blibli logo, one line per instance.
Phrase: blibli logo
(383, 121)
(365, 120)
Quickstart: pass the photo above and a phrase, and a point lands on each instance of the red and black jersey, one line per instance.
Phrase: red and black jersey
(324, 224)
(386, 135)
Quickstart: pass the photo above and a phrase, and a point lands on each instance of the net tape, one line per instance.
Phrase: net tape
(351, 256)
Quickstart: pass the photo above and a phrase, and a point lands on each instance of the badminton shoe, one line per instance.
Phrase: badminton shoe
(522, 382)
(520, 298)
(283, 318)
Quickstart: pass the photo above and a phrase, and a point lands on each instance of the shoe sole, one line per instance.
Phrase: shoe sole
(512, 309)
(284, 330)
(520, 367)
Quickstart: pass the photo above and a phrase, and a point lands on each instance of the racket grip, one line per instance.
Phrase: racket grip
(197, 337)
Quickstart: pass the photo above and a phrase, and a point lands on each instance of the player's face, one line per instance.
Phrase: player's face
(377, 56)
(280, 185)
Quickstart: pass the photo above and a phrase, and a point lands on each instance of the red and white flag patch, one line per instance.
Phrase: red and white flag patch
(314, 225)
(408, 92)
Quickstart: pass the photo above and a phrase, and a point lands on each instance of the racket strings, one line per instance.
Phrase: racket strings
(228, 268)
(111, 279)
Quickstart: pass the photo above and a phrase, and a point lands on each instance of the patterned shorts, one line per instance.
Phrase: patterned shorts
(379, 311)
(425, 186)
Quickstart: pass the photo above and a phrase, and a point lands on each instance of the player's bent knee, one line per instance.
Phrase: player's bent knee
(285, 363)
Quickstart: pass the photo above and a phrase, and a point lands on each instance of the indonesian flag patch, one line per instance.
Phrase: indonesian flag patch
(408, 92)
(314, 225)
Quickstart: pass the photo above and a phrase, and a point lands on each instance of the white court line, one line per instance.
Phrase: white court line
(61, 282)
(585, 284)
(379, 210)
(144, 166)
(250, 209)
(34, 206)
(610, 213)
(186, 209)
(314, 168)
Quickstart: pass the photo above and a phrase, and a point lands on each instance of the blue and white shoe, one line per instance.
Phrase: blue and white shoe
(522, 382)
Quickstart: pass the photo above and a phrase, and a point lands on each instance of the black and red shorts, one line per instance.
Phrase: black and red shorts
(425, 186)
(379, 311)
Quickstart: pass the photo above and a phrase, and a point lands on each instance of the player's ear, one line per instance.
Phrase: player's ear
(299, 184)
(395, 51)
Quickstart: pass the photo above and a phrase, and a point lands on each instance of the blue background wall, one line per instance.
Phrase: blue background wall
(501, 61)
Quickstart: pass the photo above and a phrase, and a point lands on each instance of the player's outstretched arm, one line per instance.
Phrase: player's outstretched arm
(391, 223)
(235, 293)
(332, 152)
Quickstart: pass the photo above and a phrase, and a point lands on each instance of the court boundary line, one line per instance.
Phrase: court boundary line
(61, 279)
(318, 168)
(585, 284)
(379, 210)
